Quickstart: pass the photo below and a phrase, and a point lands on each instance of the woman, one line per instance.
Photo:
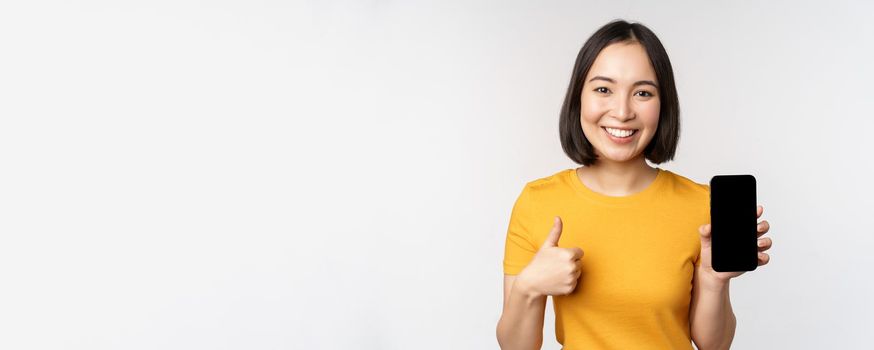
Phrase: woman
(623, 247)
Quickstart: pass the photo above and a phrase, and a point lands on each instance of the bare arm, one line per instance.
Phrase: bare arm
(713, 321)
(552, 271)
(521, 323)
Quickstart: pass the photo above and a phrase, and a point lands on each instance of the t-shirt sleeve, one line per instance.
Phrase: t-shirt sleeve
(519, 247)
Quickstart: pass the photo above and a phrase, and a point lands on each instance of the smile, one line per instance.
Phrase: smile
(620, 133)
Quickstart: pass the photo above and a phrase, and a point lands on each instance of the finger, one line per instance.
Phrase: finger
(759, 210)
(577, 253)
(704, 230)
(764, 244)
(763, 226)
(764, 258)
(554, 234)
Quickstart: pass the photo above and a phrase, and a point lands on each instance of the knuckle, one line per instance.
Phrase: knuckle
(572, 280)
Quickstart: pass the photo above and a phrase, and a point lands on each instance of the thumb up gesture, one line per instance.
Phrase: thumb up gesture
(553, 270)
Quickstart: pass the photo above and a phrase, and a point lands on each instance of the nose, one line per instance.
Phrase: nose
(623, 110)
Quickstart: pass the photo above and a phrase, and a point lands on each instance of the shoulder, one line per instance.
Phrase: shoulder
(555, 182)
(686, 187)
(690, 195)
(547, 188)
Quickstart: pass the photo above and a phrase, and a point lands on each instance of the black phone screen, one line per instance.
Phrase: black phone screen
(733, 223)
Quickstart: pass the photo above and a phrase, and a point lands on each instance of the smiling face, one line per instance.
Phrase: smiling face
(620, 102)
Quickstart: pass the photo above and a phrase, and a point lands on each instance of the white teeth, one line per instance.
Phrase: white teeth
(619, 132)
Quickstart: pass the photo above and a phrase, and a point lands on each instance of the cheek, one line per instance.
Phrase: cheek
(591, 110)
(649, 115)
(589, 116)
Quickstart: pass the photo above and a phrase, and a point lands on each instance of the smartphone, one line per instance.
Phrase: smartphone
(733, 223)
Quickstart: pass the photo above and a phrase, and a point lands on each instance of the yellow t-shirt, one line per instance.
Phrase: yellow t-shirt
(640, 253)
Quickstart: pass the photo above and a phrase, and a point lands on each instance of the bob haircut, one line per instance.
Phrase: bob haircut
(664, 143)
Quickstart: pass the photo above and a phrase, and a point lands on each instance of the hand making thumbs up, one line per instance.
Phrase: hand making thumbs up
(553, 270)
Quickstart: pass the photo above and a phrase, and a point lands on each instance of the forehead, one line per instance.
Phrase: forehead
(624, 62)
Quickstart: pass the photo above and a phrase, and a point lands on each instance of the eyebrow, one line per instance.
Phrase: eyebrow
(641, 82)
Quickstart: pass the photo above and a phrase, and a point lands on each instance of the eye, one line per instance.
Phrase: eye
(602, 90)
(645, 93)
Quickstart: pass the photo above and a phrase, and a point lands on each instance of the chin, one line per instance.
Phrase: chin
(616, 158)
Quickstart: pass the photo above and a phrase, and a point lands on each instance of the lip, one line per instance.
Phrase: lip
(618, 140)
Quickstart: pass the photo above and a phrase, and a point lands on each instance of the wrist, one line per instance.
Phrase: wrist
(710, 282)
(525, 288)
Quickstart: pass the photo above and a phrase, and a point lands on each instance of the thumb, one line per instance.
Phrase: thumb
(554, 234)
(706, 237)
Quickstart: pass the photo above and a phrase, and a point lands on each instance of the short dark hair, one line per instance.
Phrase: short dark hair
(664, 143)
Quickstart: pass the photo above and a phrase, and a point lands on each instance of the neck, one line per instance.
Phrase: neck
(618, 178)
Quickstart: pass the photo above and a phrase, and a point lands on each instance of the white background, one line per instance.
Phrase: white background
(339, 175)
